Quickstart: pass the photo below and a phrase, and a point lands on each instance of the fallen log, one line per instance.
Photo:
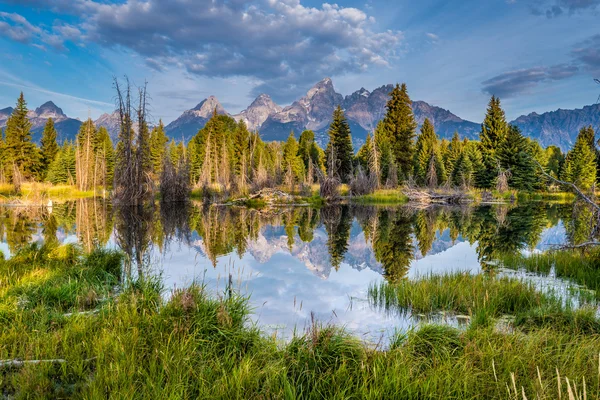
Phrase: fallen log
(423, 196)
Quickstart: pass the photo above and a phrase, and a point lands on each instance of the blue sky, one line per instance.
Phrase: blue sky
(536, 55)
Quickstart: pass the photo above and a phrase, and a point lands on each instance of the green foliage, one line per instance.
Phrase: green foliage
(49, 147)
(62, 169)
(555, 160)
(293, 164)
(398, 128)
(310, 152)
(21, 154)
(339, 151)
(158, 143)
(493, 131)
(429, 168)
(515, 155)
(580, 163)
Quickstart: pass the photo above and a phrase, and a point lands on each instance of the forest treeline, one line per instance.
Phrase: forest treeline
(225, 156)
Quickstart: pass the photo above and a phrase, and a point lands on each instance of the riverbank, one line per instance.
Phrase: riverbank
(74, 326)
(36, 194)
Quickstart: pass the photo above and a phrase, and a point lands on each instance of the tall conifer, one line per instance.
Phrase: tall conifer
(49, 147)
(22, 156)
(399, 126)
(340, 146)
(493, 131)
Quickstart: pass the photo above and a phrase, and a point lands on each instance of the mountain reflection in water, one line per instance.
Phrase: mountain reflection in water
(294, 261)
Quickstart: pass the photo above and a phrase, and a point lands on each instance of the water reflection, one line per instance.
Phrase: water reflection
(297, 260)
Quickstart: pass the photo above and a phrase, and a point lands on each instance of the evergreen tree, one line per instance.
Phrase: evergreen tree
(462, 172)
(555, 160)
(427, 156)
(399, 127)
(340, 146)
(105, 158)
(493, 132)
(241, 141)
(49, 147)
(293, 165)
(158, 143)
(363, 156)
(310, 152)
(62, 169)
(514, 155)
(455, 149)
(22, 156)
(580, 163)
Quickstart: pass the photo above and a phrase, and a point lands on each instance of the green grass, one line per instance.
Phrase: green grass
(382, 196)
(580, 268)
(460, 293)
(140, 344)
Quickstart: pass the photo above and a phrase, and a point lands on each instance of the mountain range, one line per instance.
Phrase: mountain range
(363, 109)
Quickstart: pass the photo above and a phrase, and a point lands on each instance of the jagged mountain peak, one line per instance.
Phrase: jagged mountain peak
(49, 110)
(257, 113)
(323, 87)
(207, 106)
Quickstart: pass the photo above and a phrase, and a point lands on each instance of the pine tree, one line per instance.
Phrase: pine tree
(580, 163)
(455, 148)
(340, 146)
(241, 142)
(49, 147)
(62, 169)
(427, 158)
(22, 156)
(555, 160)
(105, 158)
(493, 131)
(399, 127)
(514, 155)
(462, 172)
(364, 153)
(158, 143)
(293, 165)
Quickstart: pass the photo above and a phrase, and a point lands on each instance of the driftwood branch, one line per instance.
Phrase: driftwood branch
(572, 186)
(22, 363)
(17, 363)
(577, 246)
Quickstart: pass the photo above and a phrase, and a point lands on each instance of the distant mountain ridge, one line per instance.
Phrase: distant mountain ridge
(66, 127)
(363, 108)
(560, 127)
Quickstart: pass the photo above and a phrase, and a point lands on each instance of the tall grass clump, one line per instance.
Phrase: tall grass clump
(461, 293)
(579, 267)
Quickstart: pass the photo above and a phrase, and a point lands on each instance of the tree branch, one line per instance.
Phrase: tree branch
(571, 185)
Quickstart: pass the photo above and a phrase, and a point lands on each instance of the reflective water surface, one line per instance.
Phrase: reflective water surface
(294, 262)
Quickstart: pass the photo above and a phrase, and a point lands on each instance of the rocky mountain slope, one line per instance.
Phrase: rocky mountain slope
(258, 112)
(559, 127)
(66, 127)
(363, 108)
(191, 121)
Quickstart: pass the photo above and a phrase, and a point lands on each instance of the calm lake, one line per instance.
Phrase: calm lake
(301, 263)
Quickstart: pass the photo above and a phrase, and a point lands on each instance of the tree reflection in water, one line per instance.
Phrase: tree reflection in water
(394, 236)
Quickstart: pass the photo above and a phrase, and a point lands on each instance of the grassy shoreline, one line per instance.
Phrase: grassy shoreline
(100, 334)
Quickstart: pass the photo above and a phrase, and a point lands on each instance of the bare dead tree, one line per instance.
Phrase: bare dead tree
(175, 179)
(132, 181)
(502, 180)
(432, 178)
